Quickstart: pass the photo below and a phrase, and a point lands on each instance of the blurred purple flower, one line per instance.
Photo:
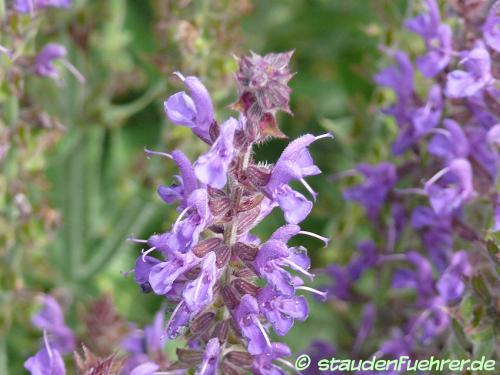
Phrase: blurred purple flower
(47, 361)
(50, 319)
(372, 193)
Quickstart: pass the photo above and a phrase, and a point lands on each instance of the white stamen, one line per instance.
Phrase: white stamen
(441, 131)
(436, 177)
(182, 214)
(309, 188)
(136, 240)
(311, 234)
(179, 74)
(157, 153)
(326, 135)
(256, 321)
(202, 370)
(72, 69)
(312, 290)
(144, 253)
(298, 268)
(47, 346)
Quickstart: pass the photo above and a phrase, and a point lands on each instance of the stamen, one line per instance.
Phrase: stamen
(261, 328)
(309, 189)
(72, 69)
(326, 135)
(136, 240)
(179, 74)
(144, 253)
(312, 290)
(157, 153)
(441, 131)
(436, 177)
(326, 240)
(182, 214)
(47, 346)
(298, 268)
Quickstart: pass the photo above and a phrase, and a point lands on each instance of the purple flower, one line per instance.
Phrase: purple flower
(420, 279)
(399, 77)
(47, 361)
(367, 320)
(372, 193)
(211, 168)
(247, 318)
(199, 292)
(44, 63)
(437, 321)
(342, 282)
(491, 28)
(143, 345)
(187, 182)
(50, 319)
(273, 256)
(451, 285)
(446, 199)
(295, 163)
(142, 270)
(437, 39)
(426, 118)
(426, 24)
(496, 213)
(263, 363)
(179, 319)
(477, 74)
(195, 111)
(29, 6)
(210, 358)
(449, 143)
(281, 310)
(163, 275)
(368, 258)
(483, 149)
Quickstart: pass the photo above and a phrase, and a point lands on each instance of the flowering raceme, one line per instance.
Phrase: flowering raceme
(209, 264)
(448, 143)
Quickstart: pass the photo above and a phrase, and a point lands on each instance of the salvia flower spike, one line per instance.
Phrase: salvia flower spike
(209, 264)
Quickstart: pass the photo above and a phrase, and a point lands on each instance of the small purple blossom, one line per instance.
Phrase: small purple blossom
(50, 319)
(491, 28)
(195, 111)
(29, 6)
(210, 358)
(211, 168)
(46, 361)
(477, 74)
(372, 193)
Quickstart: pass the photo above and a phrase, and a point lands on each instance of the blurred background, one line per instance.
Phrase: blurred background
(75, 182)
